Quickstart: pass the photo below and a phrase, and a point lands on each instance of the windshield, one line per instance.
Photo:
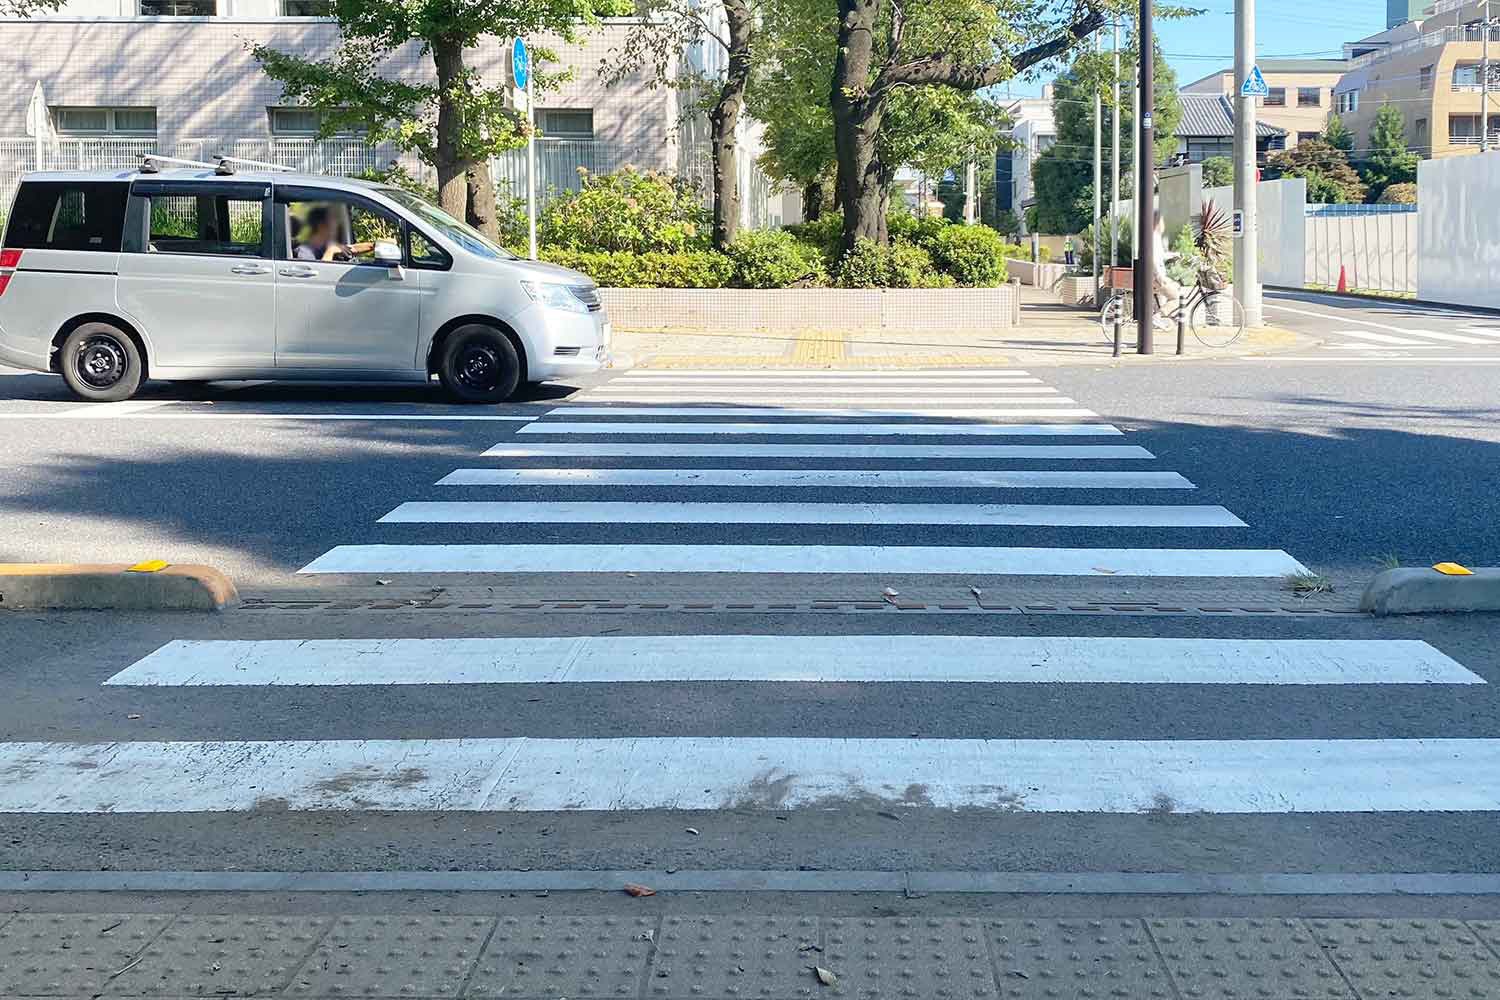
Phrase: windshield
(461, 233)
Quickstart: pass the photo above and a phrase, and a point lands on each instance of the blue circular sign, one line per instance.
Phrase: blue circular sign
(520, 63)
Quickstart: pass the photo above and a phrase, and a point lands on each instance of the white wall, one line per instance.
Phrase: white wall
(1279, 206)
(1458, 241)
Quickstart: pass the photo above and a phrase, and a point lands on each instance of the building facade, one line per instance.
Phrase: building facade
(1302, 94)
(1431, 72)
(1207, 130)
(1033, 132)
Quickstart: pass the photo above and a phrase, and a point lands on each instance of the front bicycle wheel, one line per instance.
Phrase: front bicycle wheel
(1217, 320)
(1121, 305)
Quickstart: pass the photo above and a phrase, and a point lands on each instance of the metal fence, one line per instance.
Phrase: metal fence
(1374, 247)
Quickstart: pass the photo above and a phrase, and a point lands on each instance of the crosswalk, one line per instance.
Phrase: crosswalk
(1433, 334)
(874, 501)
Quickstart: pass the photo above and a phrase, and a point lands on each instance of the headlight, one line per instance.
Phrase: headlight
(550, 296)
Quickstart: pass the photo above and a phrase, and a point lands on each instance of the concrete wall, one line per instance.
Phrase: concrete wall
(1375, 251)
(1458, 241)
(1281, 210)
(1180, 192)
(787, 310)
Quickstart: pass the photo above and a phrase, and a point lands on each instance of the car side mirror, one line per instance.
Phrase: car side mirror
(387, 252)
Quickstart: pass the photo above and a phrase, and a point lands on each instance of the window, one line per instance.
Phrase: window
(178, 8)
(1199, 150)
(51, 215)
(570, 123)
(104, 121)
(334, 228)
(306, 8)
(1424, 78)
(425, 253)
(1309, 97)
(1304, 136)
(211, 219)
(304, 121)
(461, 233)
(1276, 98)
(1348, 102)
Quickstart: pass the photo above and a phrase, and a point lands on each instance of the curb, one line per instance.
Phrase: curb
(148, 586)
(1413, 591)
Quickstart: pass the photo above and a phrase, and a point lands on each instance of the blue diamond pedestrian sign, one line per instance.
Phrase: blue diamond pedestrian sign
(1255, 84)
(520, 63)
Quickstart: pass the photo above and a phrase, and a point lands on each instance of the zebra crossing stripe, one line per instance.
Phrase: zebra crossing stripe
(778, 428)
(773, 411)
(680, 392)
(976, 561)
(1451, 338)
(898, 478)
(683, 449)
(770, 375)
(872, 514)
(753, 773)
(1379, 338)
(944, 659)
(863, 385)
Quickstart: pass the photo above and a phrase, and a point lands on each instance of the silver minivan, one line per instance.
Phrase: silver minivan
(109, 278)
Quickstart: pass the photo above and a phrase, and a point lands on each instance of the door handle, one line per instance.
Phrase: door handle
(250, 269)
(297, 272)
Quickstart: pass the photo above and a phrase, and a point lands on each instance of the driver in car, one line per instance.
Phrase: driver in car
(320, 244)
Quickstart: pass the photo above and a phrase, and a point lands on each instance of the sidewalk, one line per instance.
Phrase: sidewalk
(1050, 334)
(560, 947)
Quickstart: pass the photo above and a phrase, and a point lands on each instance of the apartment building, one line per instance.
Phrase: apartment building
(1033, 132)
(1431, 72)
(1300, 99)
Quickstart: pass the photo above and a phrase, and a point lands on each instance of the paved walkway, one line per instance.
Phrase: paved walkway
(662, 952)
(1050, 334)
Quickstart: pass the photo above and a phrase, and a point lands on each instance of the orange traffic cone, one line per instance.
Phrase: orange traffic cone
(1343, 284)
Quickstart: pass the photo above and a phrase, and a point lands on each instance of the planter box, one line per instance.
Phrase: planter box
(1036, 275)
(1077, 290)
(787, 310)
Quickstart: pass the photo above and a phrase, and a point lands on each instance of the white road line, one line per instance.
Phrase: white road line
(1392, 351)
(684, 449)
(821, 658)
(877, 514)
(876, 559)
(771, 428)
(967, 375)
(1475, 331)
(759, 389)
(1428, 360)
(777, 773)
(1379, 338)
(124, 408)
(410, 417)
(1451, 338)
(1088, 479)
(830, 411)
(831, 395)
(1337, 318)
(935, 384)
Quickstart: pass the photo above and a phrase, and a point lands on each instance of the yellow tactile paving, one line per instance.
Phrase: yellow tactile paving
(819, 348)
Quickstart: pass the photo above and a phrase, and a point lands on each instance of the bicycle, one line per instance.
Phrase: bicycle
(1215, 318)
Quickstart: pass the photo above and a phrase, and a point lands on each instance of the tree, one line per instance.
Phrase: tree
(657, 41)
(1399, 194)
(1218, 171)
(1063, 176)
(1337, 134)
(1390, 161)
(457, 121)
(1330, 179)
(889, 46)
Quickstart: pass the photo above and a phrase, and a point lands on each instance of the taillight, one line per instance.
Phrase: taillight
(9, 261)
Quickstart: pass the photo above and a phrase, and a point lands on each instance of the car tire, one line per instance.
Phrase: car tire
(479, 365)
(101, 363)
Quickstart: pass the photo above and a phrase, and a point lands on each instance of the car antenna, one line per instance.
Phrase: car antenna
(151, 163)
(234, 161)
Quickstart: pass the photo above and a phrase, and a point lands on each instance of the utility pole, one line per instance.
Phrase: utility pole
(1484, 86)
(1114, 197)
(1145, 222)
(1247, 249)
(1094, 233)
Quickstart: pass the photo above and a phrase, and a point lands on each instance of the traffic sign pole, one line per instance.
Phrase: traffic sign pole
(520, 76)
(1246, 245)
(1145, 206)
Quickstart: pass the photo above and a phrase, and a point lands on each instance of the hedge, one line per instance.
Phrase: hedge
(622, 269)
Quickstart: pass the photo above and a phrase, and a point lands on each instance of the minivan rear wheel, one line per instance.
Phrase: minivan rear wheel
(479, 365)
(101, 363)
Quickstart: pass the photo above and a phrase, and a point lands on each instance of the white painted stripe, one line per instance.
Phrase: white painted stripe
(1391, 350)
(934, 659)
(897, 478)
(966, 375)
(1451, 338)
(175, 415)
(1334, 318)
(679, 392)
(1056, 515)
(773, 384)
(612, 775)
(1379, 338)
(1429, 360)
(976, 561)
(124, 408)
(816, 399)
(831, 411)
(684, 449)
(770, 428)
(1477, 331)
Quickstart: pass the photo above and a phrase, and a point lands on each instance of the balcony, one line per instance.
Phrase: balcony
(1430, 39)
(1473, 140)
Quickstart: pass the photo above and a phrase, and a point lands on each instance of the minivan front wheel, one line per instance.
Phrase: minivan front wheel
(101, 363)
(479, 365)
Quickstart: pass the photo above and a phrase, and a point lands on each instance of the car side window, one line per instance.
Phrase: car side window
(67, 215)
(335, 229)
(214, 220)
(425, 253)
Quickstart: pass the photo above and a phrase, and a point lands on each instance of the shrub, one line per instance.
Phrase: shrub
(634, 211)
(1398, 194)
(971, 254)
(865, 266)
(922, 231)
(621, 269)
(773, 258)
(822, 234)
(900, 265)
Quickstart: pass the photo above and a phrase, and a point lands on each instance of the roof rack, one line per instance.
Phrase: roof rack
(151, 163)
(240, 161)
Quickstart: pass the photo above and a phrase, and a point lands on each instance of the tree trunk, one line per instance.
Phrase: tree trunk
(724, 123)
(481, 213)
(812, 201)
(453, 191)
(857, 115)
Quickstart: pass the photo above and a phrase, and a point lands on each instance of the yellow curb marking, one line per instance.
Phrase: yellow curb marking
(819, 348)
(149, 566)
(1452, 569)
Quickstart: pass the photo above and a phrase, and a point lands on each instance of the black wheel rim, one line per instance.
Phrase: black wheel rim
(101, 361)
(478, 368)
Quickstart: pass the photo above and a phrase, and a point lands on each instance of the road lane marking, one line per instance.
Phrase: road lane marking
(755, 774)
(831, 411)
(871, 514)
(411, 417)
(899, 478)
(1379, 338)
(860, 559)
(818, 391)
(1451, 338)
(845, 429)
(862, 385)
(944, 659)
(708, 374)
(683, 449)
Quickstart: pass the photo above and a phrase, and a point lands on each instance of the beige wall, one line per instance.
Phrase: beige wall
(1397, 80)
(1291, 118)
